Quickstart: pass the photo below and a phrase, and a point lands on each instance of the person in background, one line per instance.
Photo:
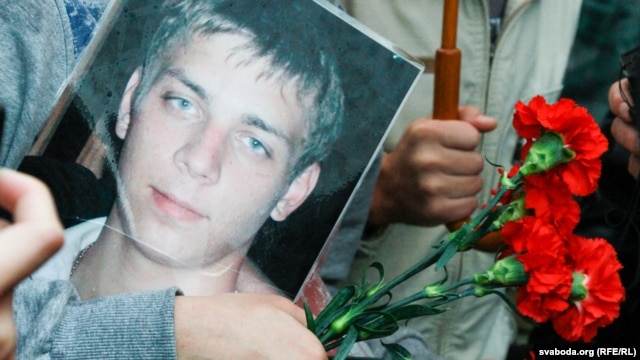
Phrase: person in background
(623, 128)
(432, 171)
(598, 60)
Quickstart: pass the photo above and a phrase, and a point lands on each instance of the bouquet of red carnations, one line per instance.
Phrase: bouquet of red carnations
(559, 276)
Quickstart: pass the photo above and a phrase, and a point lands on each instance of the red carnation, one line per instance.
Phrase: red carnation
(548, 288)
(548, 196)
(541, 250)
(580, 135)
(595, 301)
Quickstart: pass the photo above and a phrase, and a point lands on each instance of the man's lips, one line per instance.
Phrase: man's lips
(174, 208)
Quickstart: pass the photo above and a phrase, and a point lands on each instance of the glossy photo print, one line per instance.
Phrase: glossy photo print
(214, 145)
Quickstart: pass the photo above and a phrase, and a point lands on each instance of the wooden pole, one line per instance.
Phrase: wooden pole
(446, 96)
(447, 67)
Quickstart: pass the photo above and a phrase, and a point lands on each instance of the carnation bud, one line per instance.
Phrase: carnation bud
(433, 291)
(508, 271)
(513, 211)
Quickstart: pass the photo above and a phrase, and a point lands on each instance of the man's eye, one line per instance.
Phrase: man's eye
(256, 146)
(180, 104)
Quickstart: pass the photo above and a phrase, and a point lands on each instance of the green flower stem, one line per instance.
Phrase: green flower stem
(516, 180)
(428, 293)
(342, 323)
(439, 302)
(433, 257)
(332, 339)
(358, 309)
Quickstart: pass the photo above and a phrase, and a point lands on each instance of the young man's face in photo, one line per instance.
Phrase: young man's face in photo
(207, 154)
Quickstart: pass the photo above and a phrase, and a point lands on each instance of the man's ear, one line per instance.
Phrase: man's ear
(124, 112)
(297, 192)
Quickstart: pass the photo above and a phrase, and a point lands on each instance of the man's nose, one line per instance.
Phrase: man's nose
(201, 155)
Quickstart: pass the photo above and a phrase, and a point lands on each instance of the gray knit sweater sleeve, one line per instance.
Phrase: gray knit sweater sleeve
(37, 54)
(53, 323)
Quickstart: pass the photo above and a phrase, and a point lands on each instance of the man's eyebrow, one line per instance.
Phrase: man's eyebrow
(253, 120)
(181, 77)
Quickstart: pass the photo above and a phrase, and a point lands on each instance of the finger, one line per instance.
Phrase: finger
(447, 210)
(36, 233)
(634, 166)
(423, 133)
(484, 123)
(457, 135)
(305, 341)
(291, 309)
(617, 102)
(7, 328)
(27, 198)
(473, 116)
(467, 112)
(452, 187)
(24, 247)
(625, 135)
(624, 88)
(448, 161)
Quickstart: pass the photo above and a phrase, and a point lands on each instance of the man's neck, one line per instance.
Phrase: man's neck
(115, 264)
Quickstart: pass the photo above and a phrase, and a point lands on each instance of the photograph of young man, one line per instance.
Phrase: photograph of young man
(224, 127)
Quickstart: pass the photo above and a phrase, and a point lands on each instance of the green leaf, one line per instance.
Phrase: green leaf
(387, 296)
(450, 250)
(347, 344)
(397, 352)
(311, 323)
(378, 266)
(376, 325)
(374, 289)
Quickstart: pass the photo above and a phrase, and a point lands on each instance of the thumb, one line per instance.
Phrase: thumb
(483, 123)
(474, 116)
